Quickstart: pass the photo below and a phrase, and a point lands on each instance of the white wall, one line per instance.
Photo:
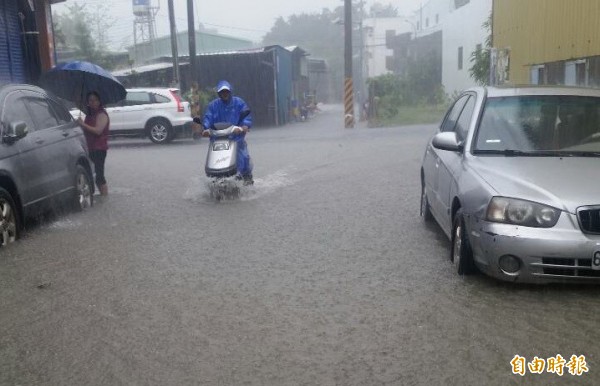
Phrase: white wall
(374, 30)
(428, 18)
(462, 28)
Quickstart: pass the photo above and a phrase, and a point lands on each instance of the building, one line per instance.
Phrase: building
(150, 51)
(446, 32)
(377, 33)
(26, 40)
(463, 33)
(546, 42)
(268, 78)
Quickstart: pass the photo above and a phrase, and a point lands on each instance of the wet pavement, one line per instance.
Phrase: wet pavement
(322, 273)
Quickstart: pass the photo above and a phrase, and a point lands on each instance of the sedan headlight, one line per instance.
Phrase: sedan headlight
(521, 212)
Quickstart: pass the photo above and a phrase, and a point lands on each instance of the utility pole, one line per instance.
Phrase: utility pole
(348, 86)
(176, 78)
(192, 40)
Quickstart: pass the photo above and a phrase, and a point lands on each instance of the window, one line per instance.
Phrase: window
(437, 19)
(529, 123)
(426, 22)
(460, 58)
(42, 113)
(17, 112)
(462, 126)
(137, 98)
(161, 99)
(450, 121)
(60, 112)
(580, 71)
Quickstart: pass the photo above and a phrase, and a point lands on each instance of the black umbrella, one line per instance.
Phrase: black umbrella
(74, 80)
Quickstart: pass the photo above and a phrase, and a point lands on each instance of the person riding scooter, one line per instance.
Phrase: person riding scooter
(229, 108)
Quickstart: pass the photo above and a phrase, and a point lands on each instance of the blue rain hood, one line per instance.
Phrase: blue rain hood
(223, 85)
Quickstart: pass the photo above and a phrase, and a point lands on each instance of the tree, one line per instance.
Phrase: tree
(480, 69)
(381, 10)
(85, 32)
(318, 34)
(322, 35)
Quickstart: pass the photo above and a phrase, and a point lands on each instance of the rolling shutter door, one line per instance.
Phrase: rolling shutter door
(11, 52)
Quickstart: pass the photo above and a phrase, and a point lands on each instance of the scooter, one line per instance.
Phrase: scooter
(221, 160)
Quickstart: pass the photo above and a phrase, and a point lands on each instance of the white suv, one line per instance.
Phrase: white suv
(158, 113)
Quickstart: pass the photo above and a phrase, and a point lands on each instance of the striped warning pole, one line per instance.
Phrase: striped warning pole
(348, 87)
(348, 103)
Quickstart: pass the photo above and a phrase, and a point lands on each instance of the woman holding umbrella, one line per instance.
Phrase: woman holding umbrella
(72, 80)
(96, 127)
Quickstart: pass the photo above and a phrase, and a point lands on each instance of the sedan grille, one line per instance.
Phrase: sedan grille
(589, 219)
(568, 267)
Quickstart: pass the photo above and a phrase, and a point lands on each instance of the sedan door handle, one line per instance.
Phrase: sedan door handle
(65, 133)
(39, 141)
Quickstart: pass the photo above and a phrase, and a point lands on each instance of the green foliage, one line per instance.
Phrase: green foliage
(383, 10)
(318, 33)
(411, 115)
(480, 59)
(418, 87)
(84, 31)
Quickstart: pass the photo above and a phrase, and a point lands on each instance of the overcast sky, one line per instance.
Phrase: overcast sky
(249, 19)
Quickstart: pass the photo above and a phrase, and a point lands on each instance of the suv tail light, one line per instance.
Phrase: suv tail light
(180, 108)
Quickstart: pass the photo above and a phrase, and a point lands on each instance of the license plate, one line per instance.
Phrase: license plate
(596, 260)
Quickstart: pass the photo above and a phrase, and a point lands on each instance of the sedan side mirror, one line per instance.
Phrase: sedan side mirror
(447, 141)
(15, 131)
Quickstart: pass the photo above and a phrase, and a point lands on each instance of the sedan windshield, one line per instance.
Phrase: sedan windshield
(540, 126)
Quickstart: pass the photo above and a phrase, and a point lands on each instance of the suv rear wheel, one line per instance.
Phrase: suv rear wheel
(160, 130)
(9, 220)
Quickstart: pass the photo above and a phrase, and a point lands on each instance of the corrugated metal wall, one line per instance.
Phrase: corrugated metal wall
(12, 66)
(544, 31)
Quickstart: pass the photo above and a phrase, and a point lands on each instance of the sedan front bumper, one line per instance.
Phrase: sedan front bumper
(558, 254)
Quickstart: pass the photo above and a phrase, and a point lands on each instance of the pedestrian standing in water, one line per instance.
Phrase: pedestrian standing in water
(96, 128)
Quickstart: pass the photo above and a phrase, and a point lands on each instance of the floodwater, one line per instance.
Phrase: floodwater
(322, 273)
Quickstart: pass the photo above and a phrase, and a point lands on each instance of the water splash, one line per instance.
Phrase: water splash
(65, 224)
(198, 189)
(266, 185)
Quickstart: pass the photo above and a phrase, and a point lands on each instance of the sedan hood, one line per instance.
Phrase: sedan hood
(565, 183)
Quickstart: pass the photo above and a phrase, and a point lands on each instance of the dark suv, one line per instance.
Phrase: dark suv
(43, 158)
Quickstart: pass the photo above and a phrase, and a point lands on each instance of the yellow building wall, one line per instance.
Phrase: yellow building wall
(542, 31)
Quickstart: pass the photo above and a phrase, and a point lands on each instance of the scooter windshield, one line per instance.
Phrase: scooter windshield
(222, 125)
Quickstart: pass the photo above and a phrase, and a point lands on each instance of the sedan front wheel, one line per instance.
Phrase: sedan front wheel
(461, 254)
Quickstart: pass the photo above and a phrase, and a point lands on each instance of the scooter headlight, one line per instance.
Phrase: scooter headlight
(522, 212)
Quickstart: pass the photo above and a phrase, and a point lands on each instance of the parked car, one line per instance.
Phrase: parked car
(43, 158)
(512, 178)
(157, 113)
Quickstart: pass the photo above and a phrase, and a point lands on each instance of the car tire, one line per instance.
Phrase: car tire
(160, 131)
(461, 253)
(83, 197)
(425, 208)
(9, 219)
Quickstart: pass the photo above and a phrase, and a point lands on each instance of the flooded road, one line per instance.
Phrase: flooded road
(322, 273)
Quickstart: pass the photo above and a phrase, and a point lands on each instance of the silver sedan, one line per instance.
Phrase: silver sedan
(512, 176)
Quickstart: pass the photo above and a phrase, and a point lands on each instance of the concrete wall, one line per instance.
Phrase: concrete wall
(462, 28)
